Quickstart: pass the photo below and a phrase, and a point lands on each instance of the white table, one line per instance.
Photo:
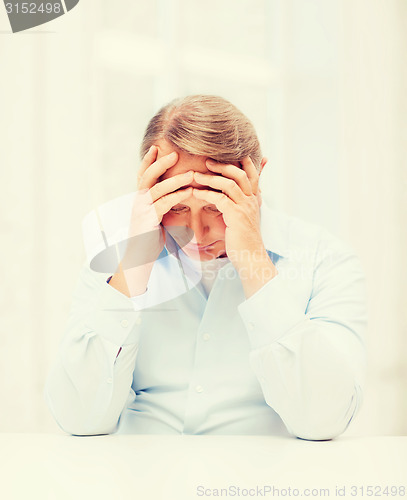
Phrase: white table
(46, 466)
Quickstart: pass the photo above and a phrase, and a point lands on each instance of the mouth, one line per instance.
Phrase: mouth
(198, 248)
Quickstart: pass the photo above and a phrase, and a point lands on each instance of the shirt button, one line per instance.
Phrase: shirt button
(199, 388)
(250, 325)
(206, 336)
(109, 380)
(138, 321)
(124, 323)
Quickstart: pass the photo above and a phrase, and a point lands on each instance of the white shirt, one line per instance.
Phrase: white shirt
(208, 269)
(290, 360)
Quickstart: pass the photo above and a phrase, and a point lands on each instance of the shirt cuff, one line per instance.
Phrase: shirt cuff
(271, 312)
(114, 317)
(139, 301)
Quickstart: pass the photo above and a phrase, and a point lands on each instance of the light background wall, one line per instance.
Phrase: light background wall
(324, 82)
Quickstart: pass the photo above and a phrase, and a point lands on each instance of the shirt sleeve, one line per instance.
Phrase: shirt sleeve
(89, 384)
(311, 362)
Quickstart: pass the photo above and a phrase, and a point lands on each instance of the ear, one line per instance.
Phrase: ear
(263, 162)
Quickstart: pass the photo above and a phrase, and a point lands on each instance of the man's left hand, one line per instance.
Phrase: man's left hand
(237, 198)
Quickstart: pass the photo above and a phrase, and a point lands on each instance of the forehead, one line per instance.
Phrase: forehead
(185, 161)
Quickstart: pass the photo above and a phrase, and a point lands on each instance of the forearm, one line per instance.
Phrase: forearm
(310, 382)
(255, 270)
(132, 282)
(88, 386)
(309, 355)
(134, 270)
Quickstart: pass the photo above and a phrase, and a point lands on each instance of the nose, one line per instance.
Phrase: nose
(199, 228)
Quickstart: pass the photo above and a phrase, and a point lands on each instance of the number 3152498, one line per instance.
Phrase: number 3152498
(32, 8)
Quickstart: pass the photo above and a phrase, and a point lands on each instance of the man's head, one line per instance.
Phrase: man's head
(198, 128)
(205, 125)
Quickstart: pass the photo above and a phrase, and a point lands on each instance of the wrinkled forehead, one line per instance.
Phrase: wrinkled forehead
(185, 161)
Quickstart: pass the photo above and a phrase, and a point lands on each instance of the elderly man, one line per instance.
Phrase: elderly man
(220, 315)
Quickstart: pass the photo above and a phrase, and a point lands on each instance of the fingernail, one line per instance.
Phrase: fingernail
(188, 174)
(151, 148)
(173, 155)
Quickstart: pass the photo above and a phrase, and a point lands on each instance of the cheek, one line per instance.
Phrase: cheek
(170, 219)
(218, 226)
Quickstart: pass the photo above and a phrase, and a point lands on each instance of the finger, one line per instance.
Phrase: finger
(232, 172)
(224, 184)
(147, 160)
(251, 172)
(222, 202)
(171, 184)
(165, 203)
(156, 169)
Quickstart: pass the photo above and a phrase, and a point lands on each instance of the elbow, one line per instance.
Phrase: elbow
(76, 421)
(322, 425)
(76, 427)
(311, 432)
(83, 431)
(80, 424)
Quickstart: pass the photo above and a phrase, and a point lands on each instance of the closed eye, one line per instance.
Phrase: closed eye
(179, 209)
(212, 208)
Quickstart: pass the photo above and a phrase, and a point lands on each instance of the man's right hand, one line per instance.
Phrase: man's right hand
(146, 235)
